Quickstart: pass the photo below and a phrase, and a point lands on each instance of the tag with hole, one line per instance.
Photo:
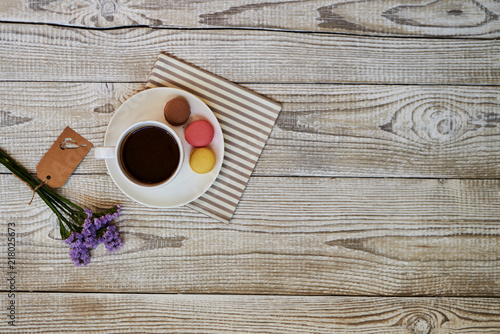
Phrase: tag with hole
(62, 158)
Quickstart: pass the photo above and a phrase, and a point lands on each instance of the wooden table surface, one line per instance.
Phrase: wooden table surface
(374, 207)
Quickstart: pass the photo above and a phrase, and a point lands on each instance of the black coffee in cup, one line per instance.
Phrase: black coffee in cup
(149, 155)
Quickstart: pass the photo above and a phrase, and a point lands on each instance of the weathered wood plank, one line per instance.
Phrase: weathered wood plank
(37, 53)
(289, 236)
(411, 131)
(124, 313)
(323, 130)
(400, 18)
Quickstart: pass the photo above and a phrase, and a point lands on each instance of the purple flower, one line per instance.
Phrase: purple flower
(80, 255)
(90, 242)
(90, 233)
(104, 220)
(98, 223)
(88, 228)
(100, 231)
(74, 240)
(94, 231)
(70, 238)
(114, 245)
(110, 234)
(112, 239)
(88, 212)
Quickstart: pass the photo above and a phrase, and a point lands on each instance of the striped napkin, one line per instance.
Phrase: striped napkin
(246, 119)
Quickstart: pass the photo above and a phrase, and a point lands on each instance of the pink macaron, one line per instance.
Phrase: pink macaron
(199, 133)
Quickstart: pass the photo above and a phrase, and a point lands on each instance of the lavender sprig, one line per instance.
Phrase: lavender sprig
(80, 228)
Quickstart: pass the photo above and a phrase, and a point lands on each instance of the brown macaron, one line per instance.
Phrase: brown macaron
(177, 111)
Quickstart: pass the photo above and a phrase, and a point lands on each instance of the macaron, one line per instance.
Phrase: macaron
(199, 133)
(177, 111)
(202, 160)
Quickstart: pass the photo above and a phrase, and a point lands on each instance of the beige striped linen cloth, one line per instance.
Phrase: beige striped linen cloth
(246, 119)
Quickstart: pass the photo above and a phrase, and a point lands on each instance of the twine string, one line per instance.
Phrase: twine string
(44, 182)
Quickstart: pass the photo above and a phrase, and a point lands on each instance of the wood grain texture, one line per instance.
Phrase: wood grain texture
(38, 53)
(411, 131)
(126, 313)
(289, 236)
(397, 98)
(451, 18)
(323, 130)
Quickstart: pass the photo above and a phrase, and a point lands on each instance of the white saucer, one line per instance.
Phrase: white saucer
(188, 185)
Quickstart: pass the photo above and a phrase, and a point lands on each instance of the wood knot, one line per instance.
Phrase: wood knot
(108, 7)
(441, 13)
(105, 108)
(439, 123)
(455, 12)
(420, 326)
(430, 122)
(158, 242)
(423, 320)
(106, 87)
(7, 118)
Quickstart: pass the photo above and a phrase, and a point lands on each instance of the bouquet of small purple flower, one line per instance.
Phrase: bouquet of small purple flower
(80, 228)
(96, 229)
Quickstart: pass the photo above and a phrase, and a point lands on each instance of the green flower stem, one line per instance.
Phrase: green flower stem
(69, 214)
(61, 208)
(62, 229)
(18, 173)
(105, 212)
(61, 198)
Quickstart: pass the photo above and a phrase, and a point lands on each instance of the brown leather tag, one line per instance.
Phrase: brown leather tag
(62, 158)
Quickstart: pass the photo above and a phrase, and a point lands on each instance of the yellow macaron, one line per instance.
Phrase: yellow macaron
(202, 160)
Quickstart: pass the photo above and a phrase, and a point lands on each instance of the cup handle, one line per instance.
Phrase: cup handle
(105, 152)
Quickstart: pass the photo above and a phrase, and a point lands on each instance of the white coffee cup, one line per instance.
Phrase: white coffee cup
(114, 153)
